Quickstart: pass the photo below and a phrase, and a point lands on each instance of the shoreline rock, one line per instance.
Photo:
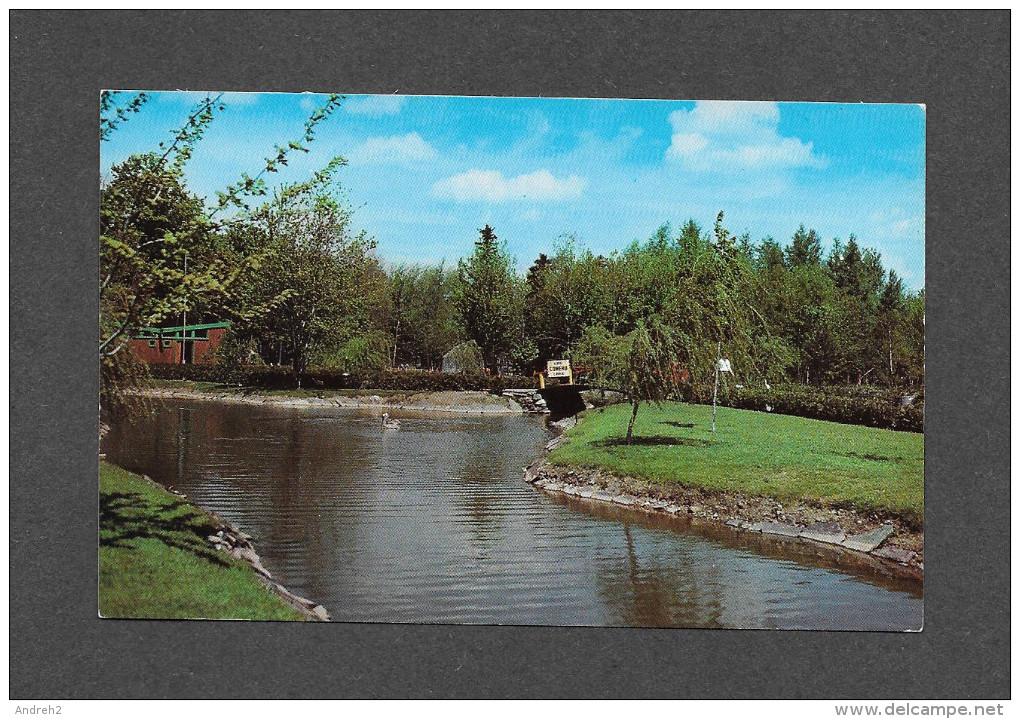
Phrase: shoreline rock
(898, 547)
(230, 539)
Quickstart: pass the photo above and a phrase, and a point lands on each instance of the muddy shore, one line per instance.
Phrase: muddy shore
(462, 402)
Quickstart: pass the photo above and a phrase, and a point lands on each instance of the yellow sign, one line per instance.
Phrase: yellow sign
(558, 368)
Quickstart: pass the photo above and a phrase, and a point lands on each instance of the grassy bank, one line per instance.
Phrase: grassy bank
(755, 453)
(155, 561)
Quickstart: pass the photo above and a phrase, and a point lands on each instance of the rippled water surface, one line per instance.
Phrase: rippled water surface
(433, 523)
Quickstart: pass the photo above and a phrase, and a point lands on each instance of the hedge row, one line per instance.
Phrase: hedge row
(864, 405)
(329, 379)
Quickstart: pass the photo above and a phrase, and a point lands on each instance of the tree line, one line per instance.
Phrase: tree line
(302, 287)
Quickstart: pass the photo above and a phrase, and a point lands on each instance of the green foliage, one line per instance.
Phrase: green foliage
(564, 296)
(487, 298)
(465, 358)
(366, 352)
(149, 227)
(851, 404)
(302, 287)
(120, 375)
(422, 318)
(112, 114)
(645, 364)
(805, 249)
(311, 284)
(283, 378)
(234, 352)
(162, 252)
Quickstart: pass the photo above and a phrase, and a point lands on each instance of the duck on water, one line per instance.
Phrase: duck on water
(388, 423)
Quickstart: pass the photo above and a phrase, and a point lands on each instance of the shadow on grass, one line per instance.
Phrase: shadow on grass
(681, 425)
(125, 516)
(653, 441)
(871, 456)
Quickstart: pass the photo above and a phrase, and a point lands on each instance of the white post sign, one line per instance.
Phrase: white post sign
(558, 368)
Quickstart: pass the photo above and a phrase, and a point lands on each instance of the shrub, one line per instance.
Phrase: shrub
(263, 377)
(364, 352)
(854, 404)
(465, 358)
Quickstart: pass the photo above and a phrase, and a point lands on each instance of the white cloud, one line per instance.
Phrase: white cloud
(723, 136)
(375, 105)
(492, 186)
(399, 149)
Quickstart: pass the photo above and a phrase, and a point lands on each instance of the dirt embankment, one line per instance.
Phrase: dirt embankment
(462, 402)
(898, 545)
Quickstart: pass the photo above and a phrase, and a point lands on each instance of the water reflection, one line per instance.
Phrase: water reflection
(643, 593)
(433, 523)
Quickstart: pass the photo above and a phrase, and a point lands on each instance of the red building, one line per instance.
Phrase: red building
(190, 344)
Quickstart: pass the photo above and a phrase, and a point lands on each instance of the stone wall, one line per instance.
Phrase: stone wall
(529, 400)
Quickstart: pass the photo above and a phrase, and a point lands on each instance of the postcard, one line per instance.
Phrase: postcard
(512, 360)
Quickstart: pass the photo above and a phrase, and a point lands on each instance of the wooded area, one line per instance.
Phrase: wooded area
(303, 287)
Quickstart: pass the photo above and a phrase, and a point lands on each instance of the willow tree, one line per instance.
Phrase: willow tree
(704, 289)
(646, 364)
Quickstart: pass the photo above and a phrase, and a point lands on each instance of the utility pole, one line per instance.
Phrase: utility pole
(715, 389)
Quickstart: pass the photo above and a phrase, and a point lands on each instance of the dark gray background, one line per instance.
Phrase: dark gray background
(956, 63)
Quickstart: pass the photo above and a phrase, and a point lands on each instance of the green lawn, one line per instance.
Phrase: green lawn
(155, 562)
(756, 453)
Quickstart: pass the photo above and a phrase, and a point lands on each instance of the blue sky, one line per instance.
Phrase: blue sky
(424, 173)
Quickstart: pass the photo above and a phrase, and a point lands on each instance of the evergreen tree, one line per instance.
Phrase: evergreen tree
(486, 298)
(890, 316)
(805, 249)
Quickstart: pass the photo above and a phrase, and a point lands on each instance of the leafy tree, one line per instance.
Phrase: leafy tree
(769, 257)
(422, 319)
(813, 321)
(568, 296)
(537, 273)
(367, 351)
(690, 241)
(112, 114)
(644, 279)
(161, 249)
(311, 282)
(645, 364)
(465, 358)
(890, 315)
(149, 223)
(912, 338)
(858, 277)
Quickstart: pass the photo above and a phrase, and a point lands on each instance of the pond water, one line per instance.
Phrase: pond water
(434, 523)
